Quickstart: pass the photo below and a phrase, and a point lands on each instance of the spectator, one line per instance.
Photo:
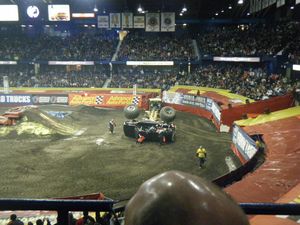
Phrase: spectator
(14, 220)
(176, 198)
(86, 219)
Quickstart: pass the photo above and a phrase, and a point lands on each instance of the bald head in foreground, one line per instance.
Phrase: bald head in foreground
(178, 198)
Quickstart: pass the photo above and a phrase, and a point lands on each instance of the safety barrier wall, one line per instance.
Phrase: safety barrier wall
(239, 173)
(198, 105)
(229, 115)
(243, 145)
(98, 99)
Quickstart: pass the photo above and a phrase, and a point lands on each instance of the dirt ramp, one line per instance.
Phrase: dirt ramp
(39, 123)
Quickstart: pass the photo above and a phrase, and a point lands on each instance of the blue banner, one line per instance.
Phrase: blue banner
(245, 145)
(15, 99)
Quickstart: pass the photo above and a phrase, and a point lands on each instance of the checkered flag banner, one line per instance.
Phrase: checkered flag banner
(99, 100)
(136, 100)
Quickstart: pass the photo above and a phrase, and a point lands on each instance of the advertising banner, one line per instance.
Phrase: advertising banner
(172, 97)
(105, 100)
(59, 12)
(15, 99)
(194, 100)
(139, 22)
(127, 20)
(115, 20)
(103, 22)
(168, 22)
(9, 13)
(66, 63)
(150, 63)
(8, 63)
(215, 109)
(152, 22)
(236, 59)
(243, 142)
(49, 99)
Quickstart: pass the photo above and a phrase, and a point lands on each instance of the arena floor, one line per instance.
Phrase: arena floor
(95, 160)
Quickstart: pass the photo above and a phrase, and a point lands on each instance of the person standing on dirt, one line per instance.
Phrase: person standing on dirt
(201, 155)
(112, 125)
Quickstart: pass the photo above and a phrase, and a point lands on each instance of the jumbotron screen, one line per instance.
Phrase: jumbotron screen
(9, 13)
(59, 12)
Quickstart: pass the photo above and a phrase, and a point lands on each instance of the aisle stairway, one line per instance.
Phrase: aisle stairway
(196, 49)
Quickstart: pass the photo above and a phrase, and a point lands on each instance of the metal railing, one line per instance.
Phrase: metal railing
(64, 206)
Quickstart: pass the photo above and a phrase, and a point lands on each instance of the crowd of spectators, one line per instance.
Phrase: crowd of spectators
(247, 40)
(52, 76)
(84, 46)
(126, 77)
(85, 219)
(253, 82)
(138, 46)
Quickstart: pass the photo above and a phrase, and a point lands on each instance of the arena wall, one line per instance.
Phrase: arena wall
(231, 114)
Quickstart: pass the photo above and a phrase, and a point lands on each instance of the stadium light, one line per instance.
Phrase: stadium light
(140, 9)
(95, 9)
(292, 7)
(248, 14)
(184, 9)
(240, 2)
(181, 14)
(222, 11)
(216, 14)
(230, 7)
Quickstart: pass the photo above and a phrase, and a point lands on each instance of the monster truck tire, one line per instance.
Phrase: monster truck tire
(131, 112)
(167, 114)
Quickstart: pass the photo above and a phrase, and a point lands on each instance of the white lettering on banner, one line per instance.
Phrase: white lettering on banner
(150, 63)
(2, 99)
(17, 99)
(44, 99)
(208, 104)
(237, 59)
(62, 99)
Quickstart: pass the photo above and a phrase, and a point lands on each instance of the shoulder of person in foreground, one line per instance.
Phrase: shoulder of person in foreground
(176, 198)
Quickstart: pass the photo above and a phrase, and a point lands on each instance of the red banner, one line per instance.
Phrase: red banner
(105, 100)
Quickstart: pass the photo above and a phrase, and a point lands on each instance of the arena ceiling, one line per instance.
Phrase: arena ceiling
(195, 8)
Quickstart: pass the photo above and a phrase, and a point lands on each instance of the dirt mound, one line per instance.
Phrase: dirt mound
(37, 122)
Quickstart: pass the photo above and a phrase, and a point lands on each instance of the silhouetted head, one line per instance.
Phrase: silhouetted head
(39, 222)
(176, 198)
(13, 217)
(85, 213)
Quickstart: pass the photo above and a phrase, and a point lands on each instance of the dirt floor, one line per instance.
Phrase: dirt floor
(94, 160)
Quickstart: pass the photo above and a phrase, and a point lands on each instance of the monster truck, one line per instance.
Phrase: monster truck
(151, 127)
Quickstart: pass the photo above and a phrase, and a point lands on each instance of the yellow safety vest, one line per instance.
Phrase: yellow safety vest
(201, 153)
